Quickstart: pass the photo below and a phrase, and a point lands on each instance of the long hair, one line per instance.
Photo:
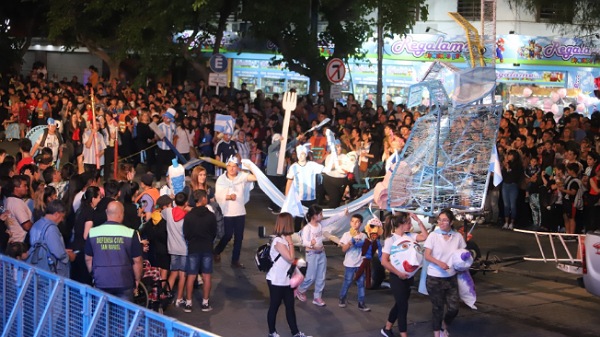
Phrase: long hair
(284, 225)
(90, 193)
(394, 221)
(312, 211)
(194, 179)
(40, 199)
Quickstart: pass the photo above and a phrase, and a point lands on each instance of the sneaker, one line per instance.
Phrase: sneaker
(319, 302)
(301, 296)
(274, 334)
(363, 307)
(387, 333)
(237, 265)
(206, 307)
(301, 334)
(180, 303)
(505, 226)
(510, 227)
(188, 307)
(342, 303)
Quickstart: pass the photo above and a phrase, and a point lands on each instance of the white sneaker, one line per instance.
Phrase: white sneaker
(505, 226)
(510, 227)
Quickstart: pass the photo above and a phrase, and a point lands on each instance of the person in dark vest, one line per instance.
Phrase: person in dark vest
(113, 254)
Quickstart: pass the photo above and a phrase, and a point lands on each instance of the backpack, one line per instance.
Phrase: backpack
(40, 255)
(263, 257)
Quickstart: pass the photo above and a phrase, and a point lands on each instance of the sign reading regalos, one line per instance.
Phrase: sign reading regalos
(538, 50)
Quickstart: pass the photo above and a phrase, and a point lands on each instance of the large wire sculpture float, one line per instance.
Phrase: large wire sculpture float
(446, 160)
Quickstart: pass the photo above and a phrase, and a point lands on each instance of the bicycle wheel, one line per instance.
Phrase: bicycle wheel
(140, 295)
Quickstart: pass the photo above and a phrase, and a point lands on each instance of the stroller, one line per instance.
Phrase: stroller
(152, 292)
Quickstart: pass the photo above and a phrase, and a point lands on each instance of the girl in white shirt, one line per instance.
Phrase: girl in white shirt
(442, 284)
(282, 255)
(399, 226)
(312, 240)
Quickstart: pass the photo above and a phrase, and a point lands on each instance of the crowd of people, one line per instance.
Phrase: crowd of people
(100, 223)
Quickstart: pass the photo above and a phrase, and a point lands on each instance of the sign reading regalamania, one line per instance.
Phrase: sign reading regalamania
(509, 49)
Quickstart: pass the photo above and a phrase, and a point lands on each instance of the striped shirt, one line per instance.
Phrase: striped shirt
(169, 131)
(243, 149)
(305, 178)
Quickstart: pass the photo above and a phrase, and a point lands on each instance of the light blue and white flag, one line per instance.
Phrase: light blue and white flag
(495, 167)
(224, 123)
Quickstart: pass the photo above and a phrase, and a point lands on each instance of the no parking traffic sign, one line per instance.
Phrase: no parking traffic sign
(336, 70)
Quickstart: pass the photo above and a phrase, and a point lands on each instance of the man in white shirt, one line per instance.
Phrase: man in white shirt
(51, 139)
(18, 210)
(93, 154)
(232, 191)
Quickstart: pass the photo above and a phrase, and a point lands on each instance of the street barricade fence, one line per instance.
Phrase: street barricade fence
(34, 302)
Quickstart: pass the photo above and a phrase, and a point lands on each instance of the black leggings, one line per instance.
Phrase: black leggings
(401, 292)
(278, 294)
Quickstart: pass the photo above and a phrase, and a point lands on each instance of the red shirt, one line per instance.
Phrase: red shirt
(23, 162)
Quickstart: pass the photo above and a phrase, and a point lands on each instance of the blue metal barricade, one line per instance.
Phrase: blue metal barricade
(34, 303)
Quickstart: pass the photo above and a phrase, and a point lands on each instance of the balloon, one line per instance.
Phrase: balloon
(533, 100)
(554, 96)
(527, 92)
(580, 107)
(580, 98)
(426, 102)
(554, 110)
(547, 104)
(562, 92)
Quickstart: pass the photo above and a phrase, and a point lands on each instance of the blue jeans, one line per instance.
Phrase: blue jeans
(234, 227)
(360, 283)
(510, 192)
(315, 272)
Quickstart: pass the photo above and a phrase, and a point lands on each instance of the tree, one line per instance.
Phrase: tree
(570, 18)
(346, 24)
(20, 21)
(115, 30)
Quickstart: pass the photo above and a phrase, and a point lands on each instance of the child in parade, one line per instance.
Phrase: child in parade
(351, 243)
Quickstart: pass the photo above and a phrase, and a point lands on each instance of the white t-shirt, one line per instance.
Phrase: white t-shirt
(184, 140)
(238, 186)
(77, 200)
(394, 239)
(21, 214)
(89, 156)
(51, 142)
(310, 232)
(278, 272)
(353, 256)
(442, 250)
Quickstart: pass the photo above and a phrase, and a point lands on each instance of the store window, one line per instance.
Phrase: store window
(559, 13)
(469, 9)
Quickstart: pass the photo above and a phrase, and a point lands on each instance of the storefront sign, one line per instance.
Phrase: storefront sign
(540, 50)
(556, 78)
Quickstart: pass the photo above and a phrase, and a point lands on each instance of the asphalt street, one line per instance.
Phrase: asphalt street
(514, 298)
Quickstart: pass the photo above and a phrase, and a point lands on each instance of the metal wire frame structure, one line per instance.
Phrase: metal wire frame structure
(34, 302)
(446, 160)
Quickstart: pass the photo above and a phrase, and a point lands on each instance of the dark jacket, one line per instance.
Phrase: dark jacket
(199, 230)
